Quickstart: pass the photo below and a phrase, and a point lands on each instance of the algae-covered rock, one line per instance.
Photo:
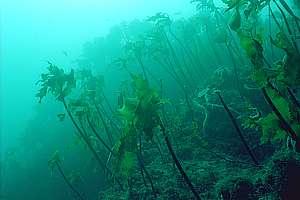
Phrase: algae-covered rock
(283, 176)
(237, 188)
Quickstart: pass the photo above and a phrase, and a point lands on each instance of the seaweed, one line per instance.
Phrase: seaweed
(60, 85)
(238, 130)
(55, 162)
(160, 143)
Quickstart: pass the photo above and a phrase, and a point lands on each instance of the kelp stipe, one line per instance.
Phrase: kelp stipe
(177, 163)
(61, 85)
(286, 125)
(238, 130)
(55, 162)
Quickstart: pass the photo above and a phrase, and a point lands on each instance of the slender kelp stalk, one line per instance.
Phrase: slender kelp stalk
(293, 98)
(205, 148)
(284, 18)
(274, 17)
(176, 59)
(111, 122)
(107, 103)
(287, 26)
(270, 30)
(104, 111)
(85, 132)
(200, 46)
(98, 136)
(152, 76)
(188, 67)
(143, 168)
(190, 55)
(235, 45)
(171, 72)
(157, 143)
(172, 67)
(115, 127)
(290, 11)
(107, 131)
(140, 162)
(236, 76)
(177, 163)
(143, 176)
(82, 127)
(286, 125)
(62, 173)
(238, 130)
(192, 113)
(86, 140)
(211, 45)
(158, 146)
(141, 63)
(164, 66)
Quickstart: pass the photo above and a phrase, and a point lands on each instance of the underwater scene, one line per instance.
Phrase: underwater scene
(150, 99)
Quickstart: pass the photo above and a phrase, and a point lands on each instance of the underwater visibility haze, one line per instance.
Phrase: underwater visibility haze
(150, 99)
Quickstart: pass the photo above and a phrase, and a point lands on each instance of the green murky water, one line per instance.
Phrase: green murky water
(128, 99)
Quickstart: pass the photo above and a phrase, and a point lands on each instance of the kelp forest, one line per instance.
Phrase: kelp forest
(203, 107)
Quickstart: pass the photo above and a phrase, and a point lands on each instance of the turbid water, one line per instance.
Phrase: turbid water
(138, 99)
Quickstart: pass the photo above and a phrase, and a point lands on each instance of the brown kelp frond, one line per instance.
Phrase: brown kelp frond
(56, 82)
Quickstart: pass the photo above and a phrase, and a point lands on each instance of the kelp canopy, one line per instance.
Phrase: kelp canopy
(167, 134)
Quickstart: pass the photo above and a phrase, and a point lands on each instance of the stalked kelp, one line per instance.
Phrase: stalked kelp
(286, 72)
(141, 113)
(60, 85)
(147, 135)
(55, 162)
